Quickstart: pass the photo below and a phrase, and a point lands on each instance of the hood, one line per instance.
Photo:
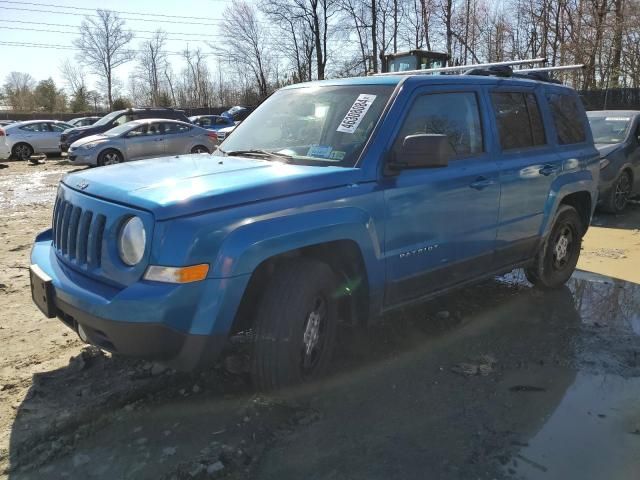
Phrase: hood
(89, 139)
(84, 131)
(187, 184)
(608, 148)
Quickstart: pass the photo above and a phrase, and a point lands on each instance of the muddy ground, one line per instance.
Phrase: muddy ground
(496, 381)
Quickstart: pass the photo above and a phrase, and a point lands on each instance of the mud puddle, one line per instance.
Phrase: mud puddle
(594, 433)
(497, 381)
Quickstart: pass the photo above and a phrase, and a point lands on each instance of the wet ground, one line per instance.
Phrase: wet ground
(496, 381)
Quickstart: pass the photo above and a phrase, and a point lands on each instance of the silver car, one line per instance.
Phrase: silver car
(22, 139)
(148, 138)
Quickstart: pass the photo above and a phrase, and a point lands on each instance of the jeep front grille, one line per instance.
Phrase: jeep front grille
(77, 234)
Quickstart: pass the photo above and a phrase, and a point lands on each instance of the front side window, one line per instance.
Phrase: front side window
(59, 127)
(518, 119)
(327, 125)
(609, 129)
(455, 115)
(567, 116)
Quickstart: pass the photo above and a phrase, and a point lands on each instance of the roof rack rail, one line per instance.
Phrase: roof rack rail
(550, 69)
(430, 71)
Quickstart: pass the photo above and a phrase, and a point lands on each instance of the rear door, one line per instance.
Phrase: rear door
(528, 166)
(440, 223)
(177, 139)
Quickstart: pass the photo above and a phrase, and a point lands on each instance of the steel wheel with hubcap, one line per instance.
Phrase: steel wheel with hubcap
(295, 325)
(558, 256)
(109, 157)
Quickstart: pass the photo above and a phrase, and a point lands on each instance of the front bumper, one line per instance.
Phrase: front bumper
(183, 326)
(83, 157)
(64, 147)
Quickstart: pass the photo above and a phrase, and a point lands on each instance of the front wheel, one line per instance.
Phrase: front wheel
(616, 200)
(109, 157)
(558, 256)
(295, 325)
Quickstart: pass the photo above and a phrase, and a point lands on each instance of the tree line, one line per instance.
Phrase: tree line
(276, 42)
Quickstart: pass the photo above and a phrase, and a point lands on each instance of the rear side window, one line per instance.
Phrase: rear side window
(455, 115)
(518, 119)
(170, 128)
(35, 127)
(568, 118)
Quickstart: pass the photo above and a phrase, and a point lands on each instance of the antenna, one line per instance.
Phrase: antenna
(549, 69)
(429, 71)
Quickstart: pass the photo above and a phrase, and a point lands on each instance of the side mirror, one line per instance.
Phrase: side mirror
(423, 150)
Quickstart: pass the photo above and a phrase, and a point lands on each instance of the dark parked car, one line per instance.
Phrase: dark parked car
(117, 118)
(212, 122)
(617, 138)
(238, 113)
(83, 121)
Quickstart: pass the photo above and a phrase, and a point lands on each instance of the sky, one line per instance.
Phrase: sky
(188, 22)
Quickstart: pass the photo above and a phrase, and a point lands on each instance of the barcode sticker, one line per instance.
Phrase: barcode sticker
(355, 114)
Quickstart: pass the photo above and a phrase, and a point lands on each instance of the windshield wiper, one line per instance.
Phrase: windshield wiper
(256, 153)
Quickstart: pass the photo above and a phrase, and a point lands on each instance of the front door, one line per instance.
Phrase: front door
(440, 223)
(145, 141)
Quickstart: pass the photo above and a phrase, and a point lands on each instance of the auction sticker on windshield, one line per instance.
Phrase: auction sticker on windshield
(355, 114)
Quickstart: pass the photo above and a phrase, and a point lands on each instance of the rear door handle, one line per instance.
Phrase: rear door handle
(481, 183)
(548, 170)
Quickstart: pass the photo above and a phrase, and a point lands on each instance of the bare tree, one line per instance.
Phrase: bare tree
(102, 43)
(152, 62)
(19, 91)
(75, 79)
(295, 40)
(247, 42)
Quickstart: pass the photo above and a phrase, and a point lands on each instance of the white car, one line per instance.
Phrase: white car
(224, 132)
(22, 139)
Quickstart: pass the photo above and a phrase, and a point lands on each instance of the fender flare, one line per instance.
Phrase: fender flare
(580, 181)
(248, 246)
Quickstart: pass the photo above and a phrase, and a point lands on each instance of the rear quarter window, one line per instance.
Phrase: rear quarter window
(568, 117)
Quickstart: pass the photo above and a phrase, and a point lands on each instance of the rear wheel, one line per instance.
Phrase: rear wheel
(558, 256)
(22, 151)
(109, 157)
(200, 149)
(620, 193)
(295, 325)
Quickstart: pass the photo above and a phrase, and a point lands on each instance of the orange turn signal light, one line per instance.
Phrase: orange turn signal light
(193, 273)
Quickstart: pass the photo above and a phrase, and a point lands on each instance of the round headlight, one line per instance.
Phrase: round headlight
(131, 241)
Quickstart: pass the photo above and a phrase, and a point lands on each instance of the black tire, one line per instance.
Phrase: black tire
(200, 149)
(287, 348)
(621, 190)
(22, 151)
(558, 255)
(109, 157)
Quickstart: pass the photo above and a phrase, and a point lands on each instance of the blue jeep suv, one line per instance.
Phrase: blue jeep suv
(334, 201)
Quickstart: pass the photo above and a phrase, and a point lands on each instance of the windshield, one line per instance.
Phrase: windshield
(609, 129)
(313, 125)
(120, 129)
(108, 118)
